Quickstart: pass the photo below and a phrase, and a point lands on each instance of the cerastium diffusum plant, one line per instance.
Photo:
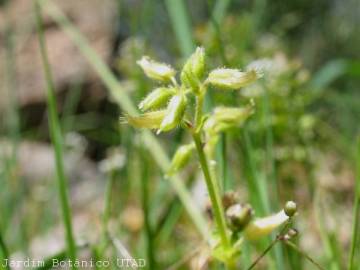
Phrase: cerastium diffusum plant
(169, 106)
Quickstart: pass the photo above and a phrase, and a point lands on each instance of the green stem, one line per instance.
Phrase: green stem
(355, 225)
(107, 206)
(272, 244)
(294, 247)
(213, 192)
(56, 138)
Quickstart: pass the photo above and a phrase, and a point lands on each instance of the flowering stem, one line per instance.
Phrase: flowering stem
(213, 191)
(212, 187)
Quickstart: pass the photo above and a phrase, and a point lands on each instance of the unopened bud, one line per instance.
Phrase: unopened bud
(194, 69)
(233, 115)
(238, 216)
(156, 98)
(155, 70)
(290, 208)
(226, 78)
(225, 118)
(181, 158)
(174, 113)
(151, 120)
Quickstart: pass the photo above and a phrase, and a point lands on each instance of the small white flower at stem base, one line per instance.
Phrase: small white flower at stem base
(264, 226)
(227, 78)
(155, 70)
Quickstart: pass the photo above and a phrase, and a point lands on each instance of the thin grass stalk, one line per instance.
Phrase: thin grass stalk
(257, 185)
(272, 175)
(355, 225)
(108, 202)
(123, 100)
(220, 9)
(4, 251)
(181, 24)
(324, 234)
(13, 112)
(56, 138)
(145, 201)
(311, 260)
(217, 15)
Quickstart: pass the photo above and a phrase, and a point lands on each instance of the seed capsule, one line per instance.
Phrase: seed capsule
(238, 216)
(226, 78)
(290, 208)
(155, 70)
(264, 226)
(181, 158)
(174, 113)
(156, 98)
(151, 120)
(194, 69)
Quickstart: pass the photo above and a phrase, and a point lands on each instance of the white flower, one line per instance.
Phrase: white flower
(264, 226)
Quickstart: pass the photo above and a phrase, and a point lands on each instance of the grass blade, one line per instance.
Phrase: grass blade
(56, 138)
(355, 229)
(4, 250)
(145, 200)
(181, 24)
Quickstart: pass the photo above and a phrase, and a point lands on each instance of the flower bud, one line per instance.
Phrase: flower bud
(174, 113)
(194, 69)
(233, 115)
(156, 98)
(290, 208)
(226, 78)
(181, 158)
(151, 120)
(238, 216)
(155, 70)
(264, 226)
(225, 118)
